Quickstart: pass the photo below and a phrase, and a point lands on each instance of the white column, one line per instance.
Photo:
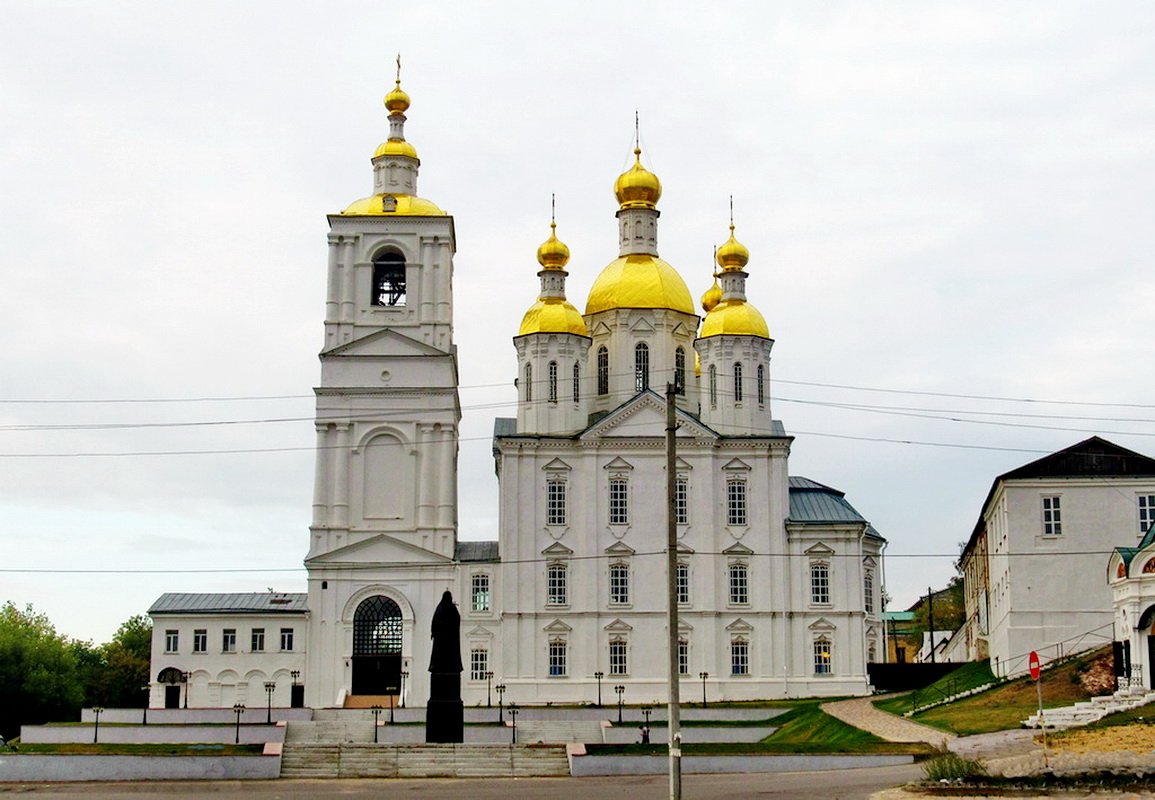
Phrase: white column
(426, 472)
(339, 499)
(321, 472)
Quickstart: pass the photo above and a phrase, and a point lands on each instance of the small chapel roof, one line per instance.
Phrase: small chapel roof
(812, 502)
(231, 603)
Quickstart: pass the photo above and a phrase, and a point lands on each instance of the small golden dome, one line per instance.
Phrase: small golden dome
(395, 147)
(553, 315)
(733, 255)
(712, 297)
(734, 318)
(639, 281)
(637, 187)
(553, 253)
(397, 101)
(697, 364)
(401, 205)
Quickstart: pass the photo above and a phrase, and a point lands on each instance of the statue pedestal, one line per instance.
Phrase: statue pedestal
(445, 714)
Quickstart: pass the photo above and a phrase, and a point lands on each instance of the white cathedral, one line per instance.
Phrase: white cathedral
(778, 579)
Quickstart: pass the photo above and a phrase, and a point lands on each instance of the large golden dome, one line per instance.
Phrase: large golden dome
(637, 187)
(639, 281)
(734, 318)
(553, 315)
(401, 205)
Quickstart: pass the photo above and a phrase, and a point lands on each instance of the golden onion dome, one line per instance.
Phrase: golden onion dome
(395, 147)
(712, 297)
(553, 253)
(553, 315)
(733, 255)
(734, 318)
(397, 101)
(639, 280)
(637, 187)
(401, 205)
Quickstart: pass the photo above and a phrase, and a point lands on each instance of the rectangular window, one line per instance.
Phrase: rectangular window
(739, 657)
(682, 501)
(683, 657)
(229, 640)
(618, 658)
(822, 657)
(682, 583)
(478, 664)
(258, 640)
(1052, 517)
(1146, 512)
(171, 641)
(619, 501)
(287, 639)
(200, 640)
(555, 511)
(555, 588)
(479, 591)
(619, 584)
(739, 584)
(736, 502)
(868, 591)
(557, 658)
(820, 584)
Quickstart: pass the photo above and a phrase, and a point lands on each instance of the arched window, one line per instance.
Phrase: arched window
(553, 381)
(529, 383)
(377, 627)
(761, 384)
(641, 367)
(713, 387)
(389, 279)
(577, 381)
(603, 371)
(738, 382)
(680, 371)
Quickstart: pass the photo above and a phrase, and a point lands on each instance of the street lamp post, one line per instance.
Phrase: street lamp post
(392, 702)
(599, 675)
(238, 709)
(185, 676)
(620, 690)
(96, 712)
(646, 710)
(147, 689)
(270, 687)
(513, 716)
(404, 675)
(703, 676)
(500, 689)
(376, 715)
(488, 680)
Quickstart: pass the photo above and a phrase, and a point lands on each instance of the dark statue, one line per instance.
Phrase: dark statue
(445, 714)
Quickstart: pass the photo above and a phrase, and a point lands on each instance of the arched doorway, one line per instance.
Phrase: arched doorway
(172, 678)
(377, 630)
(1146, 627)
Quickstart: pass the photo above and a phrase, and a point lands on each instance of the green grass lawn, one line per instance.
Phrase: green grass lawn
(966, 677)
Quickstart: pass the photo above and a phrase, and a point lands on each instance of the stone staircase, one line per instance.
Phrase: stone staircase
(344, 729)
(304, 759)
(554, 731)
(1091, 710)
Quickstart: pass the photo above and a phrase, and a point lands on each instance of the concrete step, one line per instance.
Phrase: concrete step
(350, 760)
(560, 731)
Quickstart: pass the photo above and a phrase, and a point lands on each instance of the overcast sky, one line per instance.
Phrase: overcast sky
(938, 198)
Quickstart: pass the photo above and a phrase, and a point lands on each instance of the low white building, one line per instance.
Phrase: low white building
(1131, 574)
(1033, 566)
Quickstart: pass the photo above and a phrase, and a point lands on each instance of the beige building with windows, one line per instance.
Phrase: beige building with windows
(779, 579)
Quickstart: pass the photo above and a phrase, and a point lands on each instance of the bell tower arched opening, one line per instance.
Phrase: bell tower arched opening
(377, 631)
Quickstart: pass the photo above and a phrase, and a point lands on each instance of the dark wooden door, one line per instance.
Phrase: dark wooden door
(172, 696)
(377, 674)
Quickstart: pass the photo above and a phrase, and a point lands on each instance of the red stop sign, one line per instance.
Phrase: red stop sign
(1033, 664)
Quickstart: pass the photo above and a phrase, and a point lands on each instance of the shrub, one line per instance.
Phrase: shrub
(947, 766)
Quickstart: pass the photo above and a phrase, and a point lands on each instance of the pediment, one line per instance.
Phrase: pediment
(869, 562)
(739, 626)
(819, 549)
(618, 464)
(822, 624)
(685, 549)
(381, 549)
(557, 465)
(557, 550)
(682, 330)
(385, 342)
(480, 633)
(641, 324)
(738, 549)
(600, 328)
(557, 626)
(681, 465)
(618, 626)
(644, 416)
(684, 626)
(736, 464)
(619, 549)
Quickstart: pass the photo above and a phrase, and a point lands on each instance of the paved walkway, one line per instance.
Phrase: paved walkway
(861, 713)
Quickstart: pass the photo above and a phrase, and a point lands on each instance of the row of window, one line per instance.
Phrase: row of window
(738, 583)
(618, 658)
(738, 393)
(200, 640)
(1053, 514)
(557, 507)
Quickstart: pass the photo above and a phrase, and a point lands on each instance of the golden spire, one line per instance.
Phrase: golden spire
(733, 255)
(553, 253)
(637, 187)
(397, 101)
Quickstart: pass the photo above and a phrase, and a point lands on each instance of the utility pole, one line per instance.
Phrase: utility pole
(930, 619)
(673, 714)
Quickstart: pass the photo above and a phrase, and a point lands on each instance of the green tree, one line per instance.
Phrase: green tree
(39, 679)
(949, 612)
(126, 660)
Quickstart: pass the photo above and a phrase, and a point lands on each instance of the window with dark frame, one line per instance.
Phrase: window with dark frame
(171, 641)
(229, 640)
(287, 640)
(619, 584)
(603, 371)
(680, 371)
(257, 640)
(739, 582)
(556, 593)
(555, 501)
(736, 502)
(641, 367)
(738, 382)
(1052, 517)
(619, 501)
(618, 664)
(200, 640)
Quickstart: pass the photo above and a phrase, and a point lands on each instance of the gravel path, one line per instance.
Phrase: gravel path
(861, 713)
